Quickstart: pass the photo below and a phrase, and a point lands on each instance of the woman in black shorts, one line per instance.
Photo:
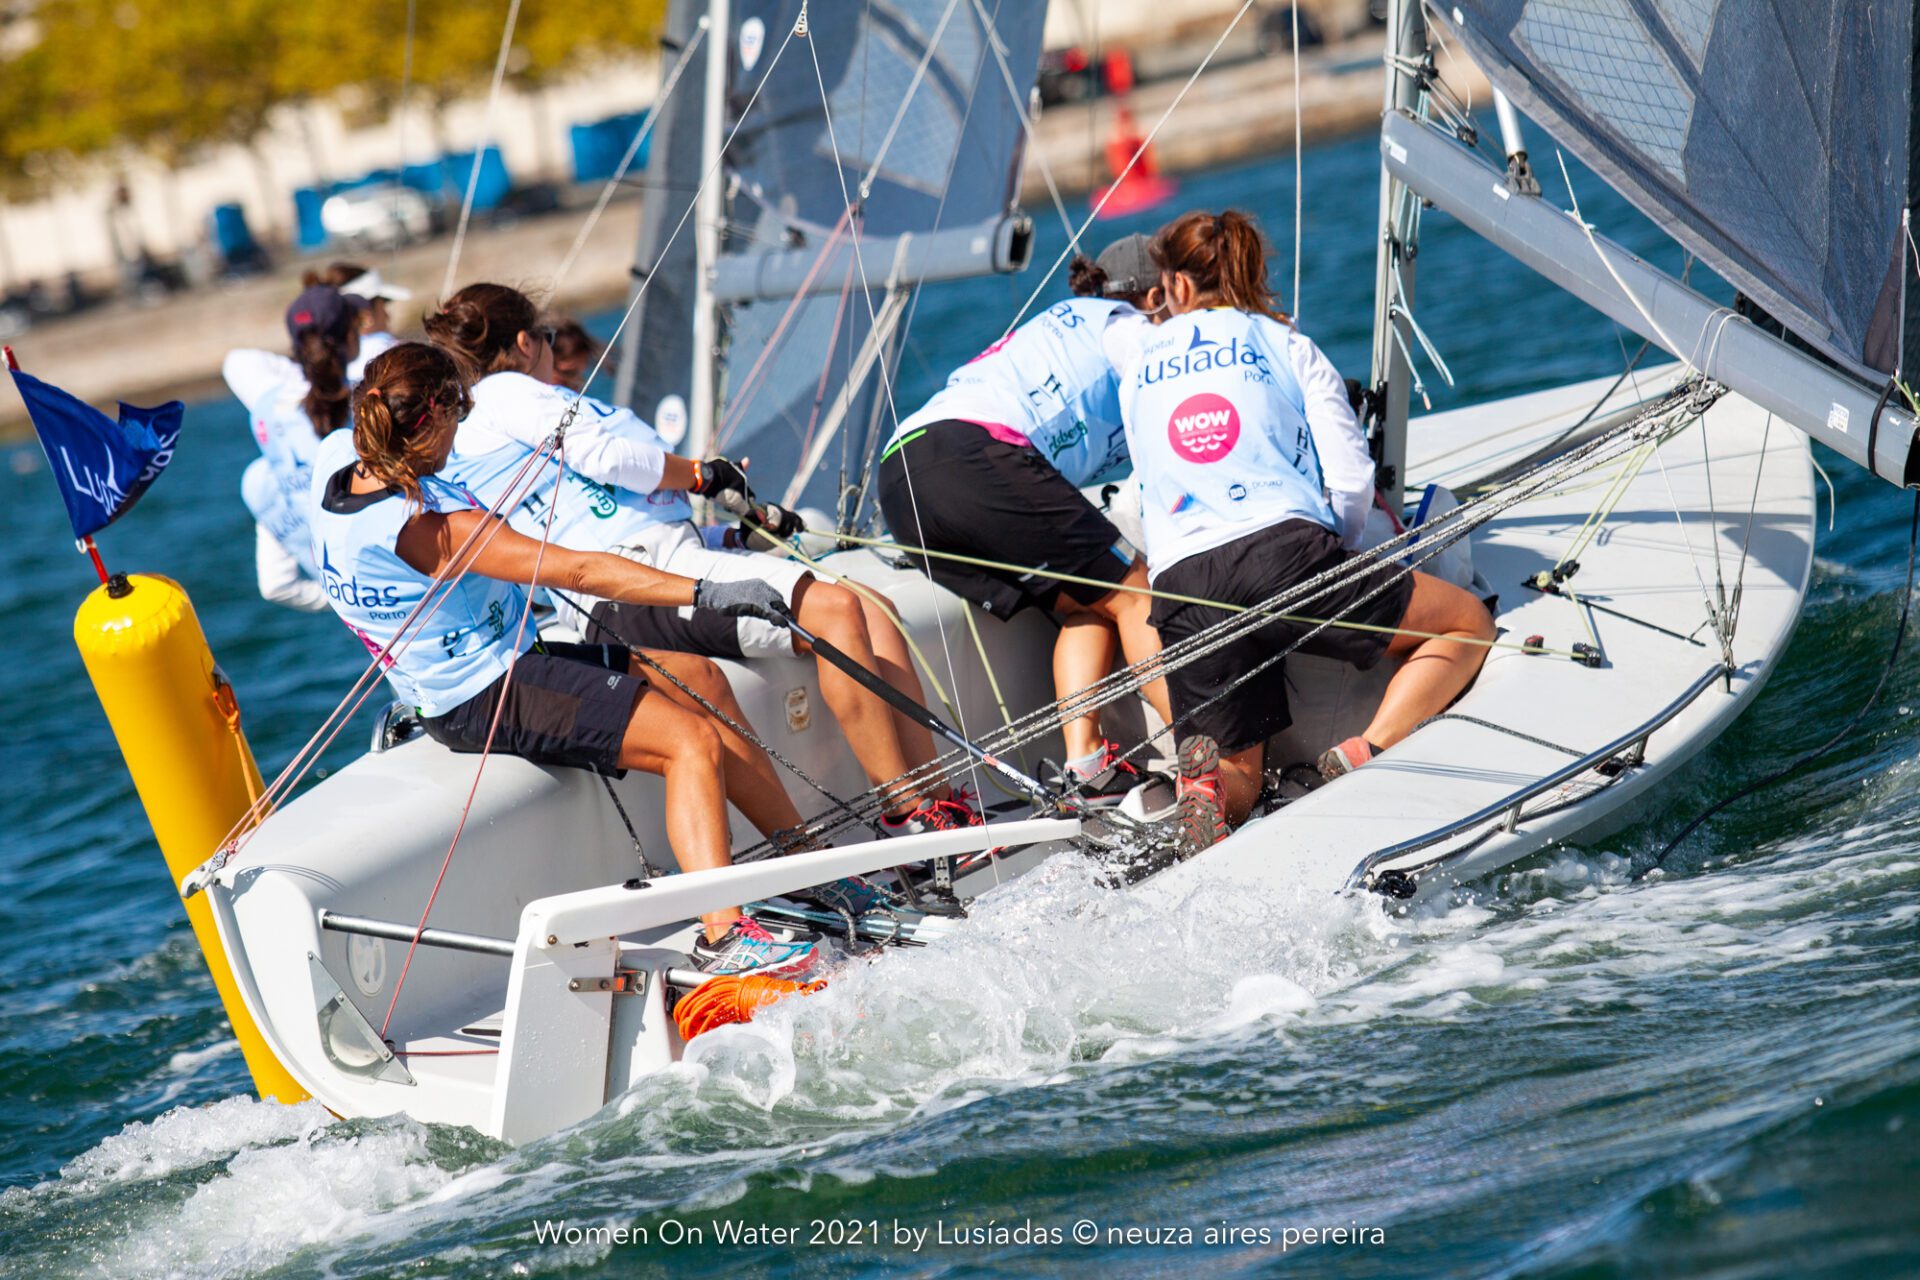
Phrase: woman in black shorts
(992, 467)
(385, 528)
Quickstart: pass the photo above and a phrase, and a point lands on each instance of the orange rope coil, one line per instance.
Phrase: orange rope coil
(733, 998)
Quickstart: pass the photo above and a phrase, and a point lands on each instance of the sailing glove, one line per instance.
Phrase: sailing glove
(763, 527)
(744, 598)
(718, 475)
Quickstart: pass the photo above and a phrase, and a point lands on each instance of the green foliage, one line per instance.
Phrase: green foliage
(82, 77)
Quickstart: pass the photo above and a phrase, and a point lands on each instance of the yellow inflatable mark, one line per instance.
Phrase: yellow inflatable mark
(179, 729)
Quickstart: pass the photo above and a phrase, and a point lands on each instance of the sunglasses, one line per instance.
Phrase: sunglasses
(546, 333)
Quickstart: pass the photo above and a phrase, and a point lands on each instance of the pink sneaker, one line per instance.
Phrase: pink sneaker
(1345, 757)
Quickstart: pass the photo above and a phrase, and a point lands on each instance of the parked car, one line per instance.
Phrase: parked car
(380, 216)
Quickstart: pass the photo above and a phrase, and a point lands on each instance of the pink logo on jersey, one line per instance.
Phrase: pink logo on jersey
(1204, 428)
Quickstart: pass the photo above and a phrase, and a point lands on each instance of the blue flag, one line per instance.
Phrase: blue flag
(101, 466)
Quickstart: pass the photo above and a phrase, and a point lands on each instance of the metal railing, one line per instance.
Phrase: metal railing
(1507, 810)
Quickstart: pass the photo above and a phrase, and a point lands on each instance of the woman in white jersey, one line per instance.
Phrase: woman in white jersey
(992, 467)
(386, 527)
(291, 406)
(622, 491)
(1253, 476)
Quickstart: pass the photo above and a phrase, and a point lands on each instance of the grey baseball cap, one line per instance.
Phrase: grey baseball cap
(1129, 266)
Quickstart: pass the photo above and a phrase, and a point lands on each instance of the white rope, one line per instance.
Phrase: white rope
(633, 150)
(480, 152)
(1593, 240)
(1073, 242)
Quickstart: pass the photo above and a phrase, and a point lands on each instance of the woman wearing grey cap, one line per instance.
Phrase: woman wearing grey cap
(992, 467)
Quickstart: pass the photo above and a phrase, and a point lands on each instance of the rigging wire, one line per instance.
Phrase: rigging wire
(1853, 722)
(633, 150)
(1073, 241)
(480, 152)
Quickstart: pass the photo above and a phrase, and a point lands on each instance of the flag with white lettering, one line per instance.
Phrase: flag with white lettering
(101, 466)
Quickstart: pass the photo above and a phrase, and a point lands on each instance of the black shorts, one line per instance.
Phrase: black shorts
(974, 495)
(1246, 572)
(567, 704)
(709, 633)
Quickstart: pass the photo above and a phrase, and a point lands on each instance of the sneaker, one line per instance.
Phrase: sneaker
(748, 948)
(1345, 757)
(1107, 783)
(855, 896)
(1203, 813)
(932, 815)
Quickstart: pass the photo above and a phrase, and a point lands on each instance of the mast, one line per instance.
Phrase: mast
(1393, 273)
(706, 233)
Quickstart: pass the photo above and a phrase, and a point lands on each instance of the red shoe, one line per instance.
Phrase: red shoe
(1203, 813)
(1345, 757)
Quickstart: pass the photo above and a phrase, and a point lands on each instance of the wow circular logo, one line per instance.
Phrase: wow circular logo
(1204, 427)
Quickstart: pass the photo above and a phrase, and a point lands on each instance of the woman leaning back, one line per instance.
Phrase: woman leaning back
(1251, 470)
(386, 528)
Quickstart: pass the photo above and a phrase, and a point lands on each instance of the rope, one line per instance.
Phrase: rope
(486, 752)
(633, 150)
(1073, 241)
(1661, 419)
(1034, 148)
(480, 153)
(1155, 593)
(731, 998)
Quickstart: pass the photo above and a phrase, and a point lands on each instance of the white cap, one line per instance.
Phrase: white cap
(370, 285)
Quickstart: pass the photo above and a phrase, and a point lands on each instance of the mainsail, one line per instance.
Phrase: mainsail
(1773, 138)
(902, 107)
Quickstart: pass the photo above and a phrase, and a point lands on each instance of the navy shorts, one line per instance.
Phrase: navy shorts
(975, 495)
(565, 704)
(1248, 571)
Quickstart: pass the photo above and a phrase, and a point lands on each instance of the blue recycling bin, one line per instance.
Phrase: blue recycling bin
(309, 232)
(493, 185)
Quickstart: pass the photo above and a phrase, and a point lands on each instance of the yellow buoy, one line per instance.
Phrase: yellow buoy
(179, 729)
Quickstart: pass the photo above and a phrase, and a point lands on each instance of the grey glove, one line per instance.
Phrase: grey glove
(746, 598)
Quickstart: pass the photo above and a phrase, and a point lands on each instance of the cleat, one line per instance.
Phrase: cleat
(1345, 757)
(1203, 815)
(748, 948)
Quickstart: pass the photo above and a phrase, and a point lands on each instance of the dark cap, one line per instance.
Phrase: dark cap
(1129, 266)
(326, 309)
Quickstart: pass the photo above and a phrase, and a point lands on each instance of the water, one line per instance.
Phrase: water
(1557, 1073)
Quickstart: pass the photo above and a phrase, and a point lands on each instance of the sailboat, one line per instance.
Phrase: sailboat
(1649, 539)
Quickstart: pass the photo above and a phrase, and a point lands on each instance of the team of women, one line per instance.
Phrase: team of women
(1170, 363)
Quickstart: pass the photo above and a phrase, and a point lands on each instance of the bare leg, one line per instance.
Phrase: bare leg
(1139, 640)
(684, 749)
(1082, 655)
(896, 665)
(834, 614)
(752, 784)
(1240, 781)
(1435, 670)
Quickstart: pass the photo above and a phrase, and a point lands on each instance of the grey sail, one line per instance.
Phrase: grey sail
(656, 356)
(917, 126)
(1773, 138)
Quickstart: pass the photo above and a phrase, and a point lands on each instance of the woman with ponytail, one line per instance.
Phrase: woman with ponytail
(622, 491)
(992, 467)
(1255, 478)
(292, 405)
(386, 527)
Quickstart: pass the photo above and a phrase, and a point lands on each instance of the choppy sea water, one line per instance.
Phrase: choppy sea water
(1556, 1072)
